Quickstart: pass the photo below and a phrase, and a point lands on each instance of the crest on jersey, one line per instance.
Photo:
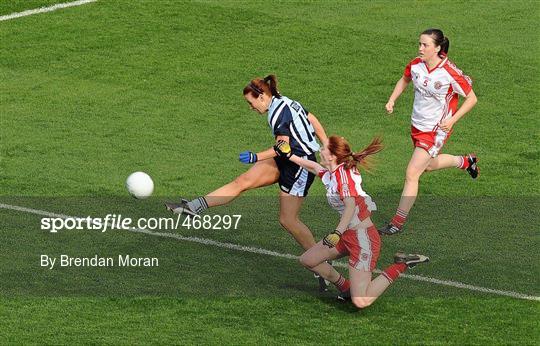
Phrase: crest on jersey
(437, 85)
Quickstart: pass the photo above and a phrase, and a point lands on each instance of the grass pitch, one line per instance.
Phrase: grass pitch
(93, 93)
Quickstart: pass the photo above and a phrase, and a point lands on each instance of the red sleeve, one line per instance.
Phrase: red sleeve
(461, 84)
(407, 72)
(345, 182)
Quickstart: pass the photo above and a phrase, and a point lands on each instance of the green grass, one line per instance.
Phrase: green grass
(268, 321)
(13, 6)
(93, 93)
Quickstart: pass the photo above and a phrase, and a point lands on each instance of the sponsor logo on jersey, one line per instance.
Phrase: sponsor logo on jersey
(438, 85)
(295, 106)
(424, 92)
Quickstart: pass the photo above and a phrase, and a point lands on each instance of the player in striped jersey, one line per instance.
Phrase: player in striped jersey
(355, 235)
(288, 121)
(438, 83)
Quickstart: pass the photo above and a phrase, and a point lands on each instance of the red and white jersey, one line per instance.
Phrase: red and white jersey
(343, 183)
(436, 92)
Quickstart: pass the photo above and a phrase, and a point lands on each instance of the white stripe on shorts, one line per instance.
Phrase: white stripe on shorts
(440, 136)
(365, 248)
(299, 186)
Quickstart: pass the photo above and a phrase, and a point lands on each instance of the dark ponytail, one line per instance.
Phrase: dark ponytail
(273, 85)
(258, 86)
(439, 39)
(445, 45)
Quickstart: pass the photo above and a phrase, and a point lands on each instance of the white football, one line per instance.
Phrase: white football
(140, 185)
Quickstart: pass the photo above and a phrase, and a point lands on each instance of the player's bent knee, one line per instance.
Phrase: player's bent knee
(412, 175)
(362, 302)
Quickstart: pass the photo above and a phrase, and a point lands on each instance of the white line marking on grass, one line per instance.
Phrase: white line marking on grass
(256, 250)
(45, 9)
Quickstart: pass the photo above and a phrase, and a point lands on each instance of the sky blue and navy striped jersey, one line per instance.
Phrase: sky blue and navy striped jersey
(288, 118)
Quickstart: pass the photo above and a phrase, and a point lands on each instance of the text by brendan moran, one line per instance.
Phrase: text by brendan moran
(98, 261)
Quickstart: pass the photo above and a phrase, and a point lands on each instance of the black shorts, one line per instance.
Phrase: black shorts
(294, 179)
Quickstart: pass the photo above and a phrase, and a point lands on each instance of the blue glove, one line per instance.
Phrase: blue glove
(247, 157)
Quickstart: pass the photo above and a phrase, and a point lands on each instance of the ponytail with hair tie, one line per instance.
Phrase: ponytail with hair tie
(272, 81)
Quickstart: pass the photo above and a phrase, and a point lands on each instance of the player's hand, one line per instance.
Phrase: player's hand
(446, 124)
(390, 107)
(283, 149)
(247, 157)
(332, 239)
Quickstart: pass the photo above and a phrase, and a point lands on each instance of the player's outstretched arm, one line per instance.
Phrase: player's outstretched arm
(311, 166)
(319, 129)
(251, 157)
(267, 154)
(270, 153)
(283, 149)
(400, 87)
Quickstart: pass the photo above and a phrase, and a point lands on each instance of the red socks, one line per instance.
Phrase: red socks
(399, 219)
(393, 272)
(342, 284)
(464, 162)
